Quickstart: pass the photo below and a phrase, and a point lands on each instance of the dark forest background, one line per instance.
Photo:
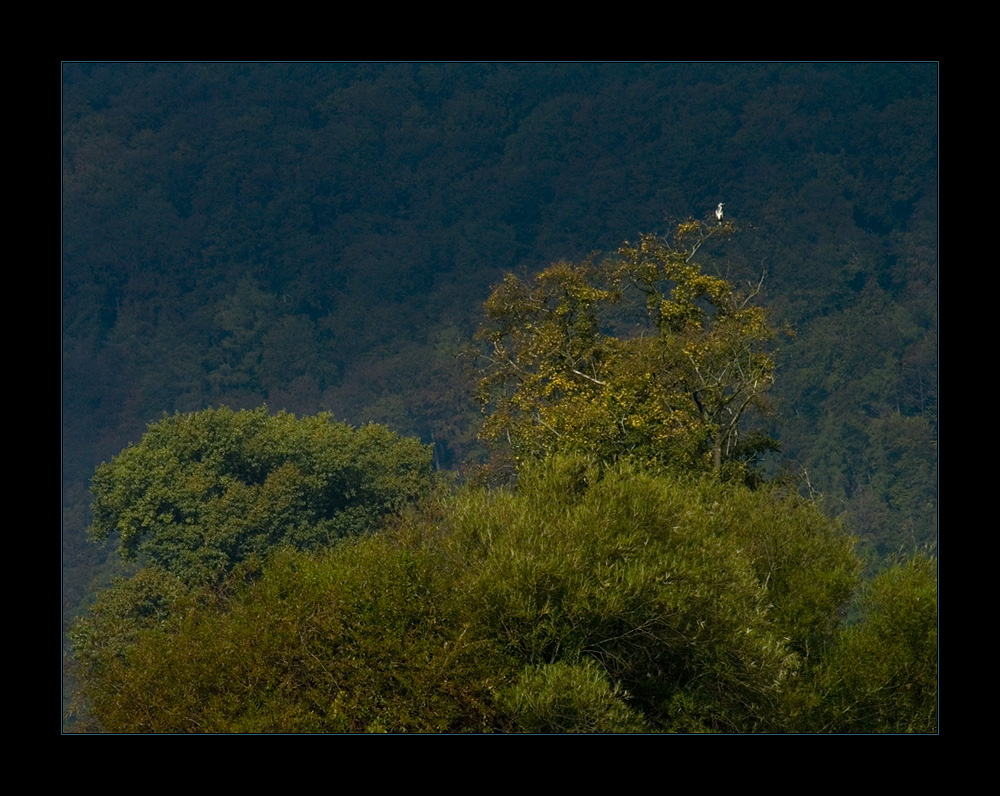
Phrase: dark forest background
(321, 237)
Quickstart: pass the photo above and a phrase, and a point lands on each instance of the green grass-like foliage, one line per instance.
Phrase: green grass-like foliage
(363, 638)
(703, 602)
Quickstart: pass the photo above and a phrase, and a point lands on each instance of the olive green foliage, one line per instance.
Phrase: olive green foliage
(122, 612)
(674, 587)
(365, 637)
(569, 698)
(882, 674)
(567, 373)
(592, 599)
(204, 491)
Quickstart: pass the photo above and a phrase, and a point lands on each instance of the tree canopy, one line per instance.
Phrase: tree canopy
(644, 355)
(592, 598)
(203, 491)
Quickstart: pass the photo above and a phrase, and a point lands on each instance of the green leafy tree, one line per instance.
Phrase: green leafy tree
(568, 372)
(881, 675)
(202, 492)
(366, 637)
(702, 604)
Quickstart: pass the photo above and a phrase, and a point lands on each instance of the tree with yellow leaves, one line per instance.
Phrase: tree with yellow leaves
(568, 370)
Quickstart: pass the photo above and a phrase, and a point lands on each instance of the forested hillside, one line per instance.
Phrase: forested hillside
(323, 238)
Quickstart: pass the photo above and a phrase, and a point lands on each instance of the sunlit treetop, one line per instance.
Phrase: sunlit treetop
(568, 370)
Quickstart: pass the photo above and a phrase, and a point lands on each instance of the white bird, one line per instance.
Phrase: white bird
(718, 212)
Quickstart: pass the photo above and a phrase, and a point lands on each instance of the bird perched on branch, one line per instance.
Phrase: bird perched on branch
(718, 212)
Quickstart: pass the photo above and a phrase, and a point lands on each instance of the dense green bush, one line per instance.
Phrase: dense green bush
(366, 637)
(676, 587)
